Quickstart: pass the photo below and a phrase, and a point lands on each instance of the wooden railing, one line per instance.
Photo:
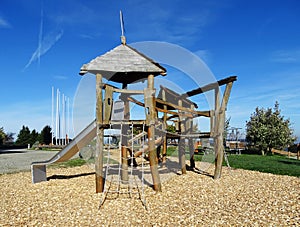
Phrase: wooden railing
(287, 153)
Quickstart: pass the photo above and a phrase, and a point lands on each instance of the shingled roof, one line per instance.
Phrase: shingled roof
(123, 64)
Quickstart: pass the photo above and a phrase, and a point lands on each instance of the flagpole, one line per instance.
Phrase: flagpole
(52, 117)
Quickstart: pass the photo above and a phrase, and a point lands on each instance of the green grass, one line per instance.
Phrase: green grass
(70, 163)
(275, 164)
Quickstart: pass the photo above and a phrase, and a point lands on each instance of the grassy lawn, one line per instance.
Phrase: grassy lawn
(275, 164)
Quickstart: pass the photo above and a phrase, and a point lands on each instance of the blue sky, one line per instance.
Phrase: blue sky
(44, 44)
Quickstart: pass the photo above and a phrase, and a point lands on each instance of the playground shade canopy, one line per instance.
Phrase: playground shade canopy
(123, 64)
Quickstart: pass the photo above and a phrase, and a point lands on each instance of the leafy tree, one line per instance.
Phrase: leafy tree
(2, 135)
(267, 129)
(171, 128)
(46, 135)
(24, 136)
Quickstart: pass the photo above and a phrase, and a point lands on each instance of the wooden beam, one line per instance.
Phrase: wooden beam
(124, 141)
(181, 142)
(189, 130)
(151, 116)
(126, 91)
(100, 133)
(209, 87)
(165, 144)
(220, 130)
(189, 110)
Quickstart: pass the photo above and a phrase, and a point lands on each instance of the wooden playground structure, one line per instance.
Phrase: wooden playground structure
(125, 65)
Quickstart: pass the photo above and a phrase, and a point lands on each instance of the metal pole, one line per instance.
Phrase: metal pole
(52, 117)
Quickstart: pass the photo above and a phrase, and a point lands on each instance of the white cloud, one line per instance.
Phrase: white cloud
(4, 23)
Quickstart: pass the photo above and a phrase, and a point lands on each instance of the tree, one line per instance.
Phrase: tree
(34, 136)
(24, 136)
(171, 128)
(46, 135)
(267, 129)
(2, 135)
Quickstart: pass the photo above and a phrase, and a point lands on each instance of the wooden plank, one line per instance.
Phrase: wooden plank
(108, 104)
(126, 91)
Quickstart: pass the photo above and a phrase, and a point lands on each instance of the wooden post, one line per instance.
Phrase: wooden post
(100, 135)
(164, 152)
(151, 134)
(190, 140)
(219, 128)
(217, 144)
(124, 145)
(181, 145)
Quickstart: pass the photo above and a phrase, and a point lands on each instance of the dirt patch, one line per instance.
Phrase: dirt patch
(239, 198)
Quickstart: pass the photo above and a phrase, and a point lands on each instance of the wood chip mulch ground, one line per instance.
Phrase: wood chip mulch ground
(239, 198)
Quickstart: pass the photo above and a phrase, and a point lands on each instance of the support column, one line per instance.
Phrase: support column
(181, 143)
(190, 140)
(217, 137)
(165, 145)
(124, 134)
(151, 133)
(100, 135)
(219, 127)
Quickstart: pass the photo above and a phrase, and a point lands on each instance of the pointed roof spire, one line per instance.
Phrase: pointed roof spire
(123, 38)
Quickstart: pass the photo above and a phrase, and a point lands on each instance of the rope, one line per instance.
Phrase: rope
(113, 173)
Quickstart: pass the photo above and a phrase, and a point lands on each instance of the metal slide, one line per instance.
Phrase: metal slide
(38, 169)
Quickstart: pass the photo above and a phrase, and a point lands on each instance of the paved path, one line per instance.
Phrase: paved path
(20, 159)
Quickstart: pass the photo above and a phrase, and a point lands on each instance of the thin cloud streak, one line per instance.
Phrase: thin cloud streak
(286, 56)
(4, 23)
(44, 47)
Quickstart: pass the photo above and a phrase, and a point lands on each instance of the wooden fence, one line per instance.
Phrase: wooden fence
(287, 153)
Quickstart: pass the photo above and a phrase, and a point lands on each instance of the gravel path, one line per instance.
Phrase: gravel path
(16, 160)
(239, 198)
